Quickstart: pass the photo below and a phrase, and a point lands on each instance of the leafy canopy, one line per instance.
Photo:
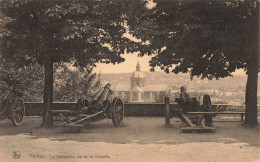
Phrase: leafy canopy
(209, 39)
(81, 31)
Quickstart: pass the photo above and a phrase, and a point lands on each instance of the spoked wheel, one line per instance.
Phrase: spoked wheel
(82, 105)
(117, 111)
(17, 112)
(207, 107)
(207, 103)
(167, 111)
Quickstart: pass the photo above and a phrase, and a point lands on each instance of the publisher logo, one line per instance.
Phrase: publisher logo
(16, 155)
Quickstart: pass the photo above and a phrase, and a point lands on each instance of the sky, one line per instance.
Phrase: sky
(130, 65)
(125, 67)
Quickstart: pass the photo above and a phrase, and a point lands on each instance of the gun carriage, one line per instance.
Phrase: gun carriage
(87, 112)
(186, 112)
(12, 106)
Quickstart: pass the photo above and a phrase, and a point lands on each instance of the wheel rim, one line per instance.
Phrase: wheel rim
(18, 112)
(207, 107)
(82, 104)
(207, 103)
(118, 112)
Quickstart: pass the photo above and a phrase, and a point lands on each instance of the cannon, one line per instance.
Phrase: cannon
(190, 114)
(12, 106)
(87, 112)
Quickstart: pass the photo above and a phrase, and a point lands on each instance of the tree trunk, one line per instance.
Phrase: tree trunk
(246, 103)
(48, 93)
(251, 96)
(252, 80)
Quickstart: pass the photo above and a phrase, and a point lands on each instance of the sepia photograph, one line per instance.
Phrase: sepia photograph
(129, 80)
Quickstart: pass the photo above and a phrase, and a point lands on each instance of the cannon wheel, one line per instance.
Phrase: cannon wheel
(167, 111)
(117, 111)
(207, 103)
(207, 107)
(17, 112)
(82, 104)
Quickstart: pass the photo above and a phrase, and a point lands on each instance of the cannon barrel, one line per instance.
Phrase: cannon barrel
(103, 97)
(6, 93)
(105, 94)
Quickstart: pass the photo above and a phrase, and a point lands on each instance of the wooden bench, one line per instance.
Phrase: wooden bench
(215, 113)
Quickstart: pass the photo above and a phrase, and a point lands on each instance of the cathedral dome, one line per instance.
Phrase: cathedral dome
(138, 74)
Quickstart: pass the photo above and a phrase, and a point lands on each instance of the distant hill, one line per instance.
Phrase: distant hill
(229, 90)
(159, 78)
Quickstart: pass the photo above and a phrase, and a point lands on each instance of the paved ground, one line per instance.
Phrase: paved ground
(140, 139)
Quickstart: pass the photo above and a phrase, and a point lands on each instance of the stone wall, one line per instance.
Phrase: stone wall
(133, 109)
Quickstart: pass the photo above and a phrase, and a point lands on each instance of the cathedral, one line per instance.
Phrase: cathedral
(138, 90)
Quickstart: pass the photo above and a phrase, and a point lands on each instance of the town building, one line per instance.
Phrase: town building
(138, 90)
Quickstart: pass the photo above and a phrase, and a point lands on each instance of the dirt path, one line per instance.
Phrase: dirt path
(141, 139)
(43, 149)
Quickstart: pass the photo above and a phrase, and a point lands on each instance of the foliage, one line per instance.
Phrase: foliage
(83, 31)
(26, 80)
(71, 84)
(210, 39)
(160, 98)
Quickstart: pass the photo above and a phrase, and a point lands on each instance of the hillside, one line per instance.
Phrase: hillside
(230, 90)
(159, 78)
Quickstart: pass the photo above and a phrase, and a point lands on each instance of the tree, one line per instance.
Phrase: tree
(48, 32)
(17, 78)
(160, 98)
(71, 84)
(209, 39)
